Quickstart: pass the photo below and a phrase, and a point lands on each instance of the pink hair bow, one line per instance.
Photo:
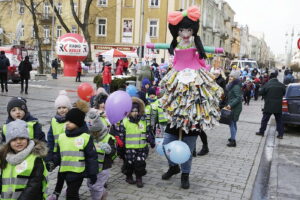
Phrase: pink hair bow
(193, 13)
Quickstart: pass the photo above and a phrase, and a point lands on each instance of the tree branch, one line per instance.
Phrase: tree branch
(60, 19)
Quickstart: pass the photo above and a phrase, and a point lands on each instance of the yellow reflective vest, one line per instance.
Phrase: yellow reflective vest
(71, 152)
(101, 153)
(57, 129)
(135, 136)
(15, 178)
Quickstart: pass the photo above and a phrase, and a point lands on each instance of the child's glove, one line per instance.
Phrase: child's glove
(120, 143)
(105, 147)
(93, 179)
(50, 166)
(150, 139)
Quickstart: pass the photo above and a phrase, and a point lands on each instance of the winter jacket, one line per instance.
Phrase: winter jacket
(289, 78)
(273, 92)
(234, 97)
(106, 75)
(37, 128)
(4, 64)
(79, 68)
(24, 69)
(119, 70)
(90, 154)
(34, 187)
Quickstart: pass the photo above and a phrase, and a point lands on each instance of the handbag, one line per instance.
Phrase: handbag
(226, 116)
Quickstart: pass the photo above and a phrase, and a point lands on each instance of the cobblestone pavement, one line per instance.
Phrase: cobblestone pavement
(225, 173)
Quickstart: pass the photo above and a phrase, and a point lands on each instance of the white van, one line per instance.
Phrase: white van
(242, 64)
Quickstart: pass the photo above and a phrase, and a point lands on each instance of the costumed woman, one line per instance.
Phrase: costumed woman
(191, 96)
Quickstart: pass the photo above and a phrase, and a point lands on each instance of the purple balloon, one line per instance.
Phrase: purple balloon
(118, 106)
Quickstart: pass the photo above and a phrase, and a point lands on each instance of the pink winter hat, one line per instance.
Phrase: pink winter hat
(62, 100)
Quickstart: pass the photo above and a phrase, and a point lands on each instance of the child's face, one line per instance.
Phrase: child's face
(62, 111)
(102, 107)
(17, 113)
(134, 112)
(147, 86)
(185, 34)
(71, 126)
(152, 96)
(18, 144)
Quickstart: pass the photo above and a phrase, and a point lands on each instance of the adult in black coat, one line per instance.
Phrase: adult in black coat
(24, 69)
(272, 92)
(4, 63)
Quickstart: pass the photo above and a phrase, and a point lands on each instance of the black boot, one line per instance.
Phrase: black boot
(185, 183)
(194, 153)
(129, 179)
(171, 171)
(203, 151)
(139, 182)
(232, 143)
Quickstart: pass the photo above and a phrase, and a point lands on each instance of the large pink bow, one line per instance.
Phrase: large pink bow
(193, 13)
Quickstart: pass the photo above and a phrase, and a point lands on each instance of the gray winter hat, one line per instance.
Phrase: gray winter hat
(235, 74)
(16, 129)
(94, 122)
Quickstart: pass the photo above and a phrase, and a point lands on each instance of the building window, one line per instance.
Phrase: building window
(102, 3)
(22, 31)
(154, 3)
(21, 8)
(59, 7)
(101, 27)
(74, 29)
(32, 32)
(46, 32)
(153, 28)
(58, 31)
(46, 10)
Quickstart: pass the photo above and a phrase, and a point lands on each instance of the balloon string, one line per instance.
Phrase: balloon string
(180, 133)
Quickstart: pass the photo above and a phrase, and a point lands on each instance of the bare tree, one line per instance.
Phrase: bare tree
(84, 25)
(60, 19)
(31, 6)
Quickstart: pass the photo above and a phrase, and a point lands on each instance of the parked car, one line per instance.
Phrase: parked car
(242, 64)
(291, 105)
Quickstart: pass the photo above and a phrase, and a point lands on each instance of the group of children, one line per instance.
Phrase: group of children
(80, 141)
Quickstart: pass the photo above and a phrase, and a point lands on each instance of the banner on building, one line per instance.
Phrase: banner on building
(127, 35)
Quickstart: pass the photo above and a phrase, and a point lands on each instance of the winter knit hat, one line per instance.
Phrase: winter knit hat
(76, 115)
(17, 102)
(62, 100)
(151, 91)
(99, 99)
(94, 122)
(145, 81)
(235, 74)
(16, 129)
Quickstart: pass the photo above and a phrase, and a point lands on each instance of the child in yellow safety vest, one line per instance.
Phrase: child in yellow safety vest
(58, 123)
(17, 109)
(23, 172)
(155, 114)
(137, 135)
(105, 145)
(76, 153)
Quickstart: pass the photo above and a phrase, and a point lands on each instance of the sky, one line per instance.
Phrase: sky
(274, 18)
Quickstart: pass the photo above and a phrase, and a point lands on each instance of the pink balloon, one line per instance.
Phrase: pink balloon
(118, 106)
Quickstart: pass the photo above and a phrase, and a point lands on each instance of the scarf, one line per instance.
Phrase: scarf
(15, 159)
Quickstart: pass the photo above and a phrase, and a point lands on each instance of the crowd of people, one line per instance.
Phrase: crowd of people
(180, 102)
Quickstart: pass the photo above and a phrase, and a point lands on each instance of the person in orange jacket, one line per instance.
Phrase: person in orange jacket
(79, 69)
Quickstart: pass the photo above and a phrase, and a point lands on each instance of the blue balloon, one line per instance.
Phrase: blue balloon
(177, 151)
(159, 146)
(131, 90)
